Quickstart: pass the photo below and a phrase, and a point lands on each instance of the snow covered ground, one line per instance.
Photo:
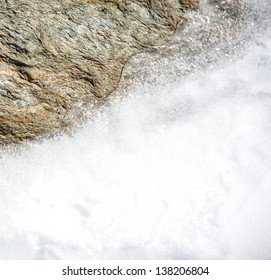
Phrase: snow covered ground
(181, 172)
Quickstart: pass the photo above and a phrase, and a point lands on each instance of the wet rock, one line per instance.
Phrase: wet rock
(59, 56)
(208, 34)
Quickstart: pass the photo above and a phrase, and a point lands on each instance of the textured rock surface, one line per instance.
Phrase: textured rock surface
(214, 33)
(56, 56)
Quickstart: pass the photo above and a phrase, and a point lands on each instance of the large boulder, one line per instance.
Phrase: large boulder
(57, 56)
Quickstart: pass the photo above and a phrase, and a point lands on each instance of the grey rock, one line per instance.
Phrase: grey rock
(57, 57)
(213, 31)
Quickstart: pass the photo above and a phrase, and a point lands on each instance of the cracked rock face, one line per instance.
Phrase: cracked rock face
(56, 56)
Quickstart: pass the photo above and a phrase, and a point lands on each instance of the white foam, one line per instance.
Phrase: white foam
(180, 172)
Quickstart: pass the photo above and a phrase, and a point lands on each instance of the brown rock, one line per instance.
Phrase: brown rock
(56, 56)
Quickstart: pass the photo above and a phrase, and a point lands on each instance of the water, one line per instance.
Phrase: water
(177, 169)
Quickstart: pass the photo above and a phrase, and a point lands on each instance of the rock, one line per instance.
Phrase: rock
(216, 31)
(57, 56)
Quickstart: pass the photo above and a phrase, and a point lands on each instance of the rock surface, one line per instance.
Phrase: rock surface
(56, 56)
(216, 31)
